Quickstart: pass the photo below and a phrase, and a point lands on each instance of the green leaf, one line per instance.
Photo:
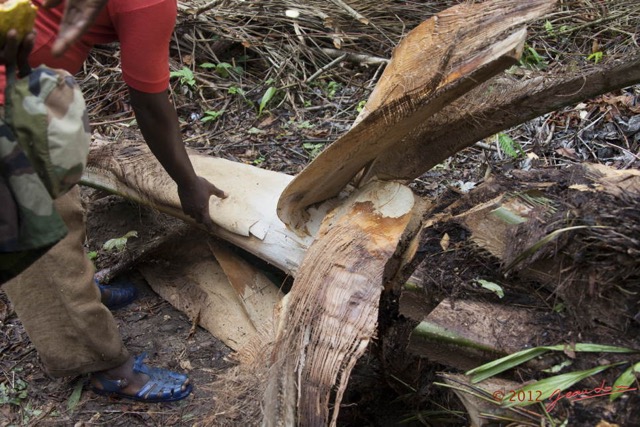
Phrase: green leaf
(595, 57)
(234, 90)
(553, 386)
(548, 27)
(540, 243)
(559, 367)
(508, 216)
(266, 98)
(207, 65)
(510, 147)
(495, 367)
(75, 396)
(493, 287)
(92, 255)
(118, 244)
(211, 115)
(313, 149)
(624, 381)
(186, 76)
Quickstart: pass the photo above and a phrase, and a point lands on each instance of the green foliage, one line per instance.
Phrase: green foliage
(259, 160)
(532, 59)
(268, 95)
(493, 287)
(546, 239)
(548, 27)
(498, 366)
(223, 69)
(627, 378)
(211, 115)
(551, 386)
(559, 308)
(332, 89)
(74, 399)
(92, 255)
(118, 244)
(508, 146)
(14, 393)
(361, 105)
(313, 148)
(559, 367)
(328, 88)
(306, 124)
(235, 90)
(595, 57)
(186, 77)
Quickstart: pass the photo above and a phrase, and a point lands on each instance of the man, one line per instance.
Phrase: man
(55, 298)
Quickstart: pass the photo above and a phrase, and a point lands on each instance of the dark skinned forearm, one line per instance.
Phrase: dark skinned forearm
(159, 125)
(158, 122)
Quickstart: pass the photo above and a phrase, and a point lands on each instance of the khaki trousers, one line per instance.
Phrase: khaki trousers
(59, 304)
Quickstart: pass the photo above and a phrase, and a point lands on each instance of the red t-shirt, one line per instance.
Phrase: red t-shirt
(143, 28)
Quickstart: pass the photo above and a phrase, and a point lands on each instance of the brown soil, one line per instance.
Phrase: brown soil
(387, 386)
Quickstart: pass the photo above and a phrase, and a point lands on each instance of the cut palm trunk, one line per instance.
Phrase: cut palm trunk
(344, 244)
(331, 312)
(247, 218)
(438, 62)
(215, 288)
(572, 230)
(464, 334)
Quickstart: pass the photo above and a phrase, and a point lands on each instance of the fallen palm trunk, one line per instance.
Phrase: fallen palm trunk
(327, 321)
(498, 104)
(465, 334)
(439, 61)
(574, 231)
(247, 218)
(482, 402)
(215, 288)
(331, 313)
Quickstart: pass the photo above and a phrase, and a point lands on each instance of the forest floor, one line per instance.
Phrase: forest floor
(281, 138)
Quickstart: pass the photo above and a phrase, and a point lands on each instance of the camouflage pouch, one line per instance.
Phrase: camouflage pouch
(47, 112)
(44, 141)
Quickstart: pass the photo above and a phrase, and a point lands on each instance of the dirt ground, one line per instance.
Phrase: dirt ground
(149, 325)
(605, 130)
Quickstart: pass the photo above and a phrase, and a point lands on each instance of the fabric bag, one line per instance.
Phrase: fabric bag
(44, 143)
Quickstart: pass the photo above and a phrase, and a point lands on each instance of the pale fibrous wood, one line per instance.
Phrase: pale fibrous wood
(412, 65)
(452, 55)
(191, 279)
(331, 312)
(498, 104)
(247, 218)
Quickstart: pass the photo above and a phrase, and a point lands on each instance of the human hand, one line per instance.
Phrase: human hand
(15, 54)
(195, 200)
(78, 16)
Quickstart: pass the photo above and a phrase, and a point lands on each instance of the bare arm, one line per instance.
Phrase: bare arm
(158, 123)
(78, 16)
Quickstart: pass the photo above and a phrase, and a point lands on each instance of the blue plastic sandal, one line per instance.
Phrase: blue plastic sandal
(163, 385)
(121, 293)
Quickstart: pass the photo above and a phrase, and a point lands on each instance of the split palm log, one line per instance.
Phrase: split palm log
(215, 288)
(331, 313)
(247, 218)
(439, 61)
(498, 104)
